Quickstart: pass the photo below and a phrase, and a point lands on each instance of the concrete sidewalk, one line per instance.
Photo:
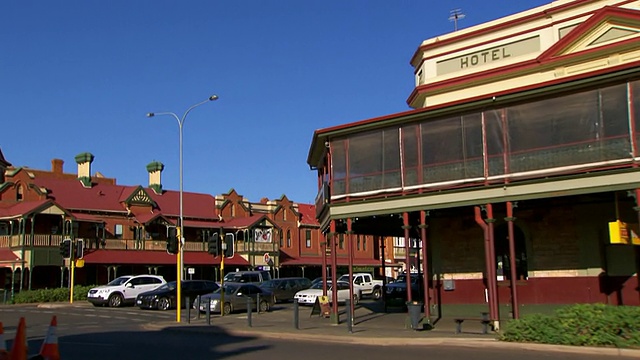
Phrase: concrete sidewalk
(370, 328)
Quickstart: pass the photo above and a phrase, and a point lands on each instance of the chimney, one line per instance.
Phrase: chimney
(56, 166)
(84, 161)
(155, 176)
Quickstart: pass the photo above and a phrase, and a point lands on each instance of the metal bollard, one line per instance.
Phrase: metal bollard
(208, 309)
(347, 305)
(188, 303)
(198, 307)
(249, 306)
(296, 315)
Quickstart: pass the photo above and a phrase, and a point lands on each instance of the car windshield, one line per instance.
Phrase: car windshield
(268, 284)
(170, 286)
(119, 281)
(233, 277)
(228, 289)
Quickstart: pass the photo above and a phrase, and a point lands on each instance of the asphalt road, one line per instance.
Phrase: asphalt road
(104, 333)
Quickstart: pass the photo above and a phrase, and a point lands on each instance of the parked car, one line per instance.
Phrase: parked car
(309, 296)
(123, 290)
(319, 279)
(397, 290)
(165, 296)
(284, 289)
(235, 298)
(251, 277)
(366, 284)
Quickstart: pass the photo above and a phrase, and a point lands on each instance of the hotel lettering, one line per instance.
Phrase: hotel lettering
(484, 57)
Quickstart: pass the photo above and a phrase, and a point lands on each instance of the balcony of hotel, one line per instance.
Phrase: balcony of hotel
(47, 240)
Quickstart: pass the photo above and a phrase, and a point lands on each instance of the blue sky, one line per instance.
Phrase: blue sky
(80, 76)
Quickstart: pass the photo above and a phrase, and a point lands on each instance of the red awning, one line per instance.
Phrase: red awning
(146, 257)
(341, 261)
(214, 224)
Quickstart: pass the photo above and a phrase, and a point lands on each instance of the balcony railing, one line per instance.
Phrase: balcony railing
(46, 240)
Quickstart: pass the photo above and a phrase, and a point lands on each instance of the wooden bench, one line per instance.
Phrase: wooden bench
(483, 320)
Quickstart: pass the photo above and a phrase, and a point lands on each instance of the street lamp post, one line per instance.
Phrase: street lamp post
(180, 255)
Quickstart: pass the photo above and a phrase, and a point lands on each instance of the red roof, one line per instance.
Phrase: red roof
(244, 221)
(203, 224)
(341, 261)
(308, 213)
(195, 205)
(8, 257)
(71, 194)
(24, 207)
(87, 218)
(156, 258)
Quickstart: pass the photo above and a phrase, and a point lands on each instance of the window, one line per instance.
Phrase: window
(233, 210)
(308, 238)
(19, 193)
(281, 243)
(118, 231)
(284, 214)
(288, 238)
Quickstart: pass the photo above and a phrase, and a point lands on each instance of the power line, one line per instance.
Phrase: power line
(455, 15)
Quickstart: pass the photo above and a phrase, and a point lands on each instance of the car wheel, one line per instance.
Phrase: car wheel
(164, 304)
(377, 294)
(264, 306)
(115, 300)
(227, 309)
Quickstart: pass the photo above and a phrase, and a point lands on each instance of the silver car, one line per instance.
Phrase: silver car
(235, 298)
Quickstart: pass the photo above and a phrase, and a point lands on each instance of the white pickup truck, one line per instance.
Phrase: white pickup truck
(365, 284)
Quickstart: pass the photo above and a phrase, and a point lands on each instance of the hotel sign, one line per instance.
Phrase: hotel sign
(488, 56)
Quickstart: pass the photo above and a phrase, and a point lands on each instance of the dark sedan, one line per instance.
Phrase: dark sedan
(164, 297)
(235, 298)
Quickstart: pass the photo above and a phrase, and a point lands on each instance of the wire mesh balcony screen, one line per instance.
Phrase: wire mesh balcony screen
(589, 127)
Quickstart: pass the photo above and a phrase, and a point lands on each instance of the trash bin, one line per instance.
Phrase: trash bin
(415, 313)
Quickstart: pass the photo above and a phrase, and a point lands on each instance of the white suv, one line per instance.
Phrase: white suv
(123, 290)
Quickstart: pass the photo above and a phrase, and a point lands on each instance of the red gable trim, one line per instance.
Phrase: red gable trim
(608, 13)
(138, 257)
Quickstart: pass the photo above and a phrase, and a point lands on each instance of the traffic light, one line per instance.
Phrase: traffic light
(79, 249)
(214, 244)
(65, 248)
(229, 248)
(172, 240)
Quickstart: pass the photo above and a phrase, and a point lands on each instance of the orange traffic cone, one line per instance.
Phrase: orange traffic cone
(49, 350)
(19, 346)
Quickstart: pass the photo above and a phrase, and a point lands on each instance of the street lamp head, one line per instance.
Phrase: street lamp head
(151, 115)
(213, 97)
